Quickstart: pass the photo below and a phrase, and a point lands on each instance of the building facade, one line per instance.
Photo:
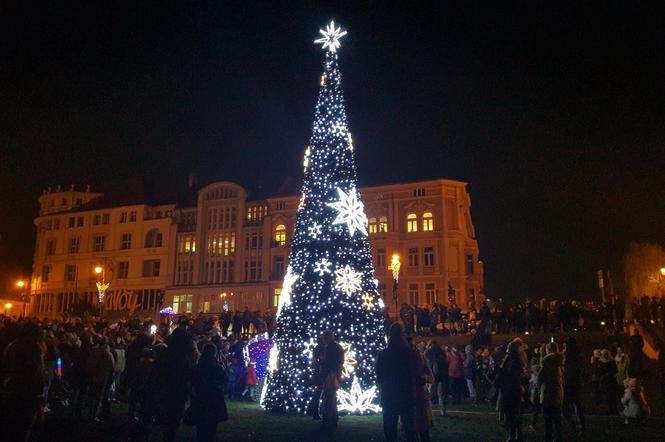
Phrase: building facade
(229, 251)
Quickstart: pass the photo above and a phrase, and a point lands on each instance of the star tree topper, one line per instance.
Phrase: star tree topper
(350, 210)
(331, 37)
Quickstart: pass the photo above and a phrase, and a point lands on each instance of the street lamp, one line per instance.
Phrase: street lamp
(662, 271)
(102, 285)
(8, 307)
(22, 286)
(394, 266)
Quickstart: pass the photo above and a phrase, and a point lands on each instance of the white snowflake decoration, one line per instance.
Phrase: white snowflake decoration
(356, 400)
(350, 360)
(348, 280)
(314, 230)
(368, 301)
(285, 297)
(331, 37)
(350, 210)
(323, 266)
(309, 348)
(338, 129)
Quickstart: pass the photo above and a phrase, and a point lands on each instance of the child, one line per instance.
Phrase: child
(635, 407)
(251, 383)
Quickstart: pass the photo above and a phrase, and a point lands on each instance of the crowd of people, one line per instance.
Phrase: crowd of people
(498, 317)
(169, 374)
(83, 367)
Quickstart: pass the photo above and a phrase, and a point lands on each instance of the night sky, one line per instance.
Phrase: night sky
(553, 112)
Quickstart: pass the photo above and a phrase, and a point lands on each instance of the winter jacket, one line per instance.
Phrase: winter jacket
(455, 364)
(550, 380)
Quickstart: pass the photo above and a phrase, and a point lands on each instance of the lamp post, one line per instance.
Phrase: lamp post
(102, 286)
(394, 266)
(22, 288)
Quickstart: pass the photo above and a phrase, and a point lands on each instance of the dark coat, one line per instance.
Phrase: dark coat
(207, 401)
(509, 382)
(397, 368)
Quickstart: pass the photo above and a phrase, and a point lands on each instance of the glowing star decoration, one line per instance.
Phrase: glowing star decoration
(348, 135)
(314, 230)
(309, 348)
(368, 301)
(350, 361)
(338, 129)
(322, 267)
(285, 296)
(348, 280)
(331, 37)
(356, 400)
(350, 210)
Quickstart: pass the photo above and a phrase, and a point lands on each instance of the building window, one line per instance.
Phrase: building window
(153, 239)
(186, 245)
(428, 256)
(123, 270)
(419, 192)
(428, 222)
(46, 271)
(71, 222)
(126, 241)
(280, 235)
(100, 241)
(63, 202)
(228, 267)
(254, 240)
(56, 224)
(106, 218)
(74, 244)
(70, 272)
(381, 258)
(79, 221)
(50, 247)
(275, 297)
(229, 244)
(411, 222)
(281, 205)
(372, 226)
(413, 294)
(151, 268)
(182, 303)
(279, 267)
(79, 201)
(252, 269)
(413, 257)
(123, 217)
(383, 224)
(132, 216)
(430, 294)
(469, 264)
(95, 220)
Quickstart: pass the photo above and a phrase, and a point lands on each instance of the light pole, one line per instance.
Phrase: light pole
(22, 287)
(394, 266)
(102, 286)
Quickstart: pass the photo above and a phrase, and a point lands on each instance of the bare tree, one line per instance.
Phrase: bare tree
(641, 265)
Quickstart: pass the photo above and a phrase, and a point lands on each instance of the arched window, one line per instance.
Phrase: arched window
(280, 235)
(411, 222)
(372, 225)
(428, 222)
(383, 224)
(153, 239)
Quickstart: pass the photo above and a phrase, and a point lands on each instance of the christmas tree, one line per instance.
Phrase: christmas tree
(329, 283)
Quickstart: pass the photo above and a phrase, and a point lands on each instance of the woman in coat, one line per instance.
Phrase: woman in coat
(509, 382)
(207, 401)
(424, 418)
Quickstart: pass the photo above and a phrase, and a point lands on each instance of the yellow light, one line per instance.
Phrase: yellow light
(8, 305)
(323, 80)
(222, 295)
(394, 266)
(662, 271)
(20, 283)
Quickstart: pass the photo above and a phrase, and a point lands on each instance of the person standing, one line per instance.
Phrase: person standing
(317, 382)
(509, 382)
(396, 369)
(438, 363)
(456, 373)
(572, 386)
(424, 419)
(331, 373)
(208, 405)
(607, 372)
(550, 382)
(469, 371)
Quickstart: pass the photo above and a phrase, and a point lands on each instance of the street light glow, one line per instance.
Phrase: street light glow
(98, 270)
(20, 283)
(662, 271)
(8, 306)
(394, 266)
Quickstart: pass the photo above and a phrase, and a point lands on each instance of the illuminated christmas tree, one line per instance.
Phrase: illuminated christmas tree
(329, 283)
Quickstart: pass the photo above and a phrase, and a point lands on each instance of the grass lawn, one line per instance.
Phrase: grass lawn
(248, 422)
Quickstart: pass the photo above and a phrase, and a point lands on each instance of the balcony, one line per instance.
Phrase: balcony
(277, 244)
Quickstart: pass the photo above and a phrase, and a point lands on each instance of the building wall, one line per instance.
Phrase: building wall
(231, 252)
(68, 248)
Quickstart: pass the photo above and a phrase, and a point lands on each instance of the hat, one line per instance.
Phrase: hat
(252, 360)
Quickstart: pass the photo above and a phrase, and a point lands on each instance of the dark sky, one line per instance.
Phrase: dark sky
(554, 112)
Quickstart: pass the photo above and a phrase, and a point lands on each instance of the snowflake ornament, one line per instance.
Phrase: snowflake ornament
(309, 348)
(356, 400)
(350, 361)
(350, 210)
(368, 301)
(322, 267)
(348, 280)
(314, 230)
(331, 37)
(338, 129)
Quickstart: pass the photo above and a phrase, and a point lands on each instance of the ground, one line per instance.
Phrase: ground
(248, 422)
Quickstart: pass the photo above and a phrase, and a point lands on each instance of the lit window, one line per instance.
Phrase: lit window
(383, 224)
(411, 222)
(428, 222)
(372, 227)
(280, 235)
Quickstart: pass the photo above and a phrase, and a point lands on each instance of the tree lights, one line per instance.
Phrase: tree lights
(329, 284)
